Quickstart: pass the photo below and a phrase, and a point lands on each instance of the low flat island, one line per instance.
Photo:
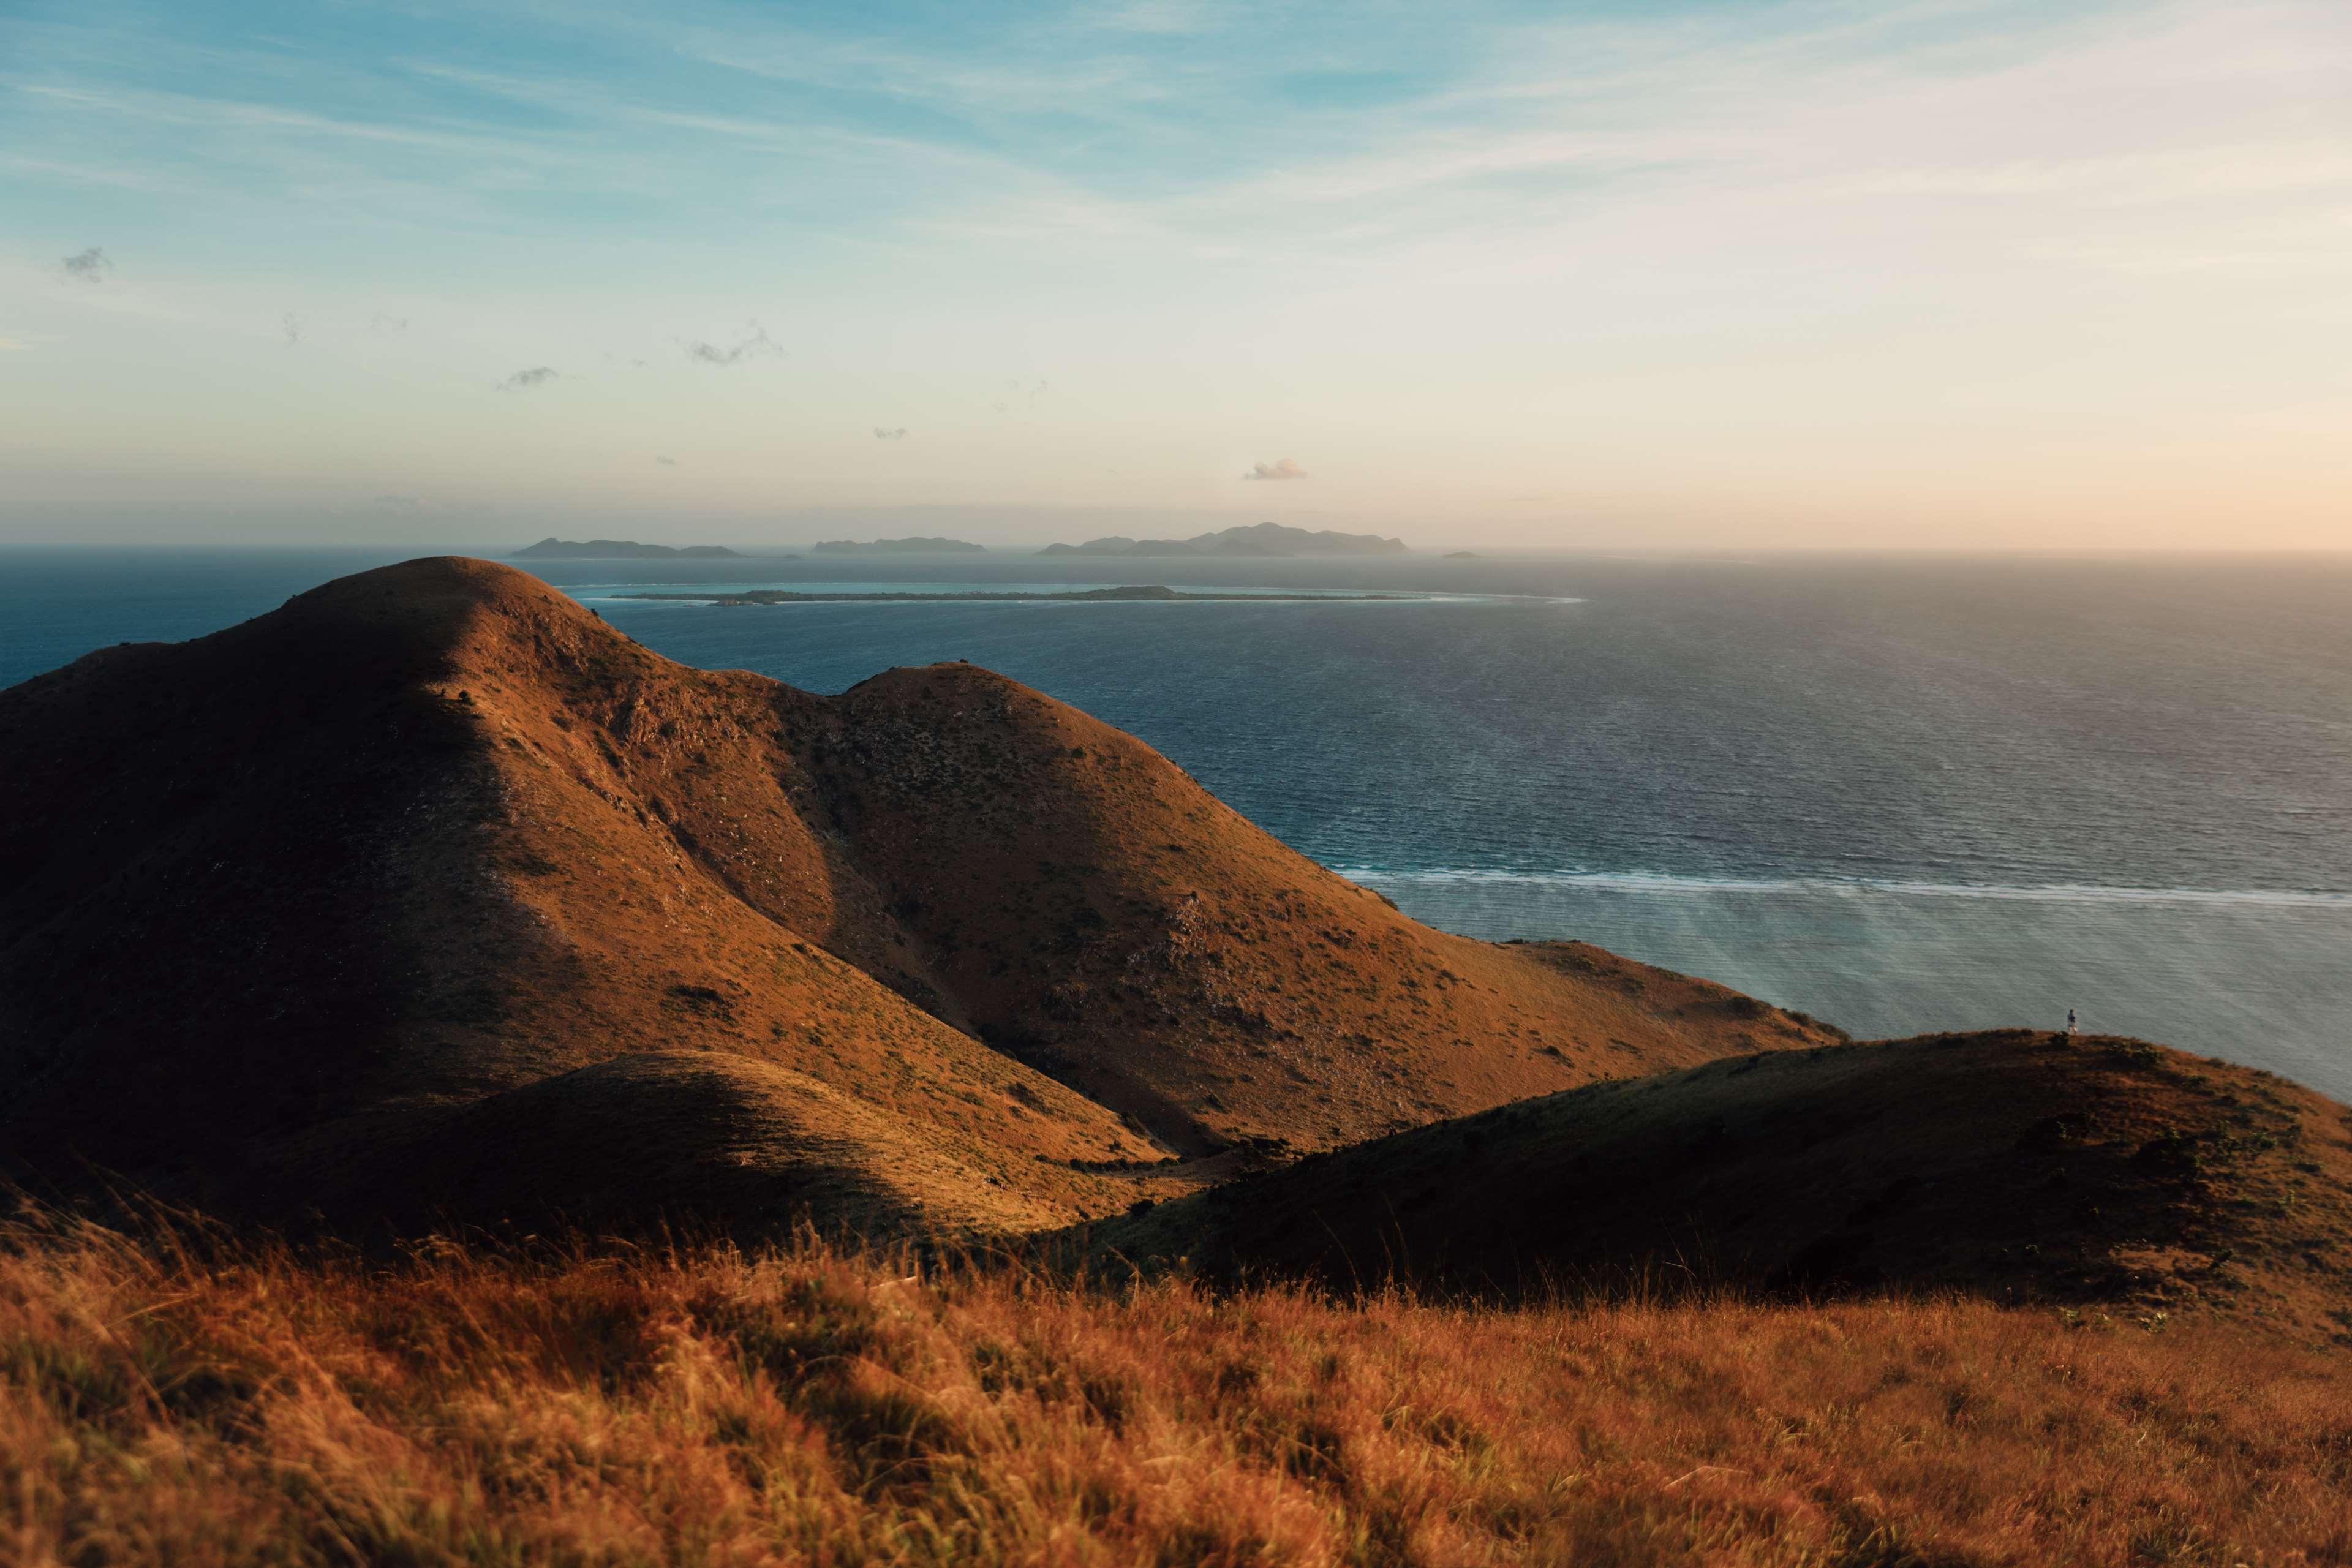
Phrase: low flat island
(1079, 596)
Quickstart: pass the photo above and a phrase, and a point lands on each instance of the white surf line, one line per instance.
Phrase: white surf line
(1847, 887)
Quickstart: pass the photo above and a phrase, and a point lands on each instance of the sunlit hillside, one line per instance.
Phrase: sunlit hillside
(167, 1402)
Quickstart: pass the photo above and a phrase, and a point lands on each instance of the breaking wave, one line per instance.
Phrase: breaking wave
(1665, 882)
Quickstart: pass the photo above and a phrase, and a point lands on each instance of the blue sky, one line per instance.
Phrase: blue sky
(1944, 273)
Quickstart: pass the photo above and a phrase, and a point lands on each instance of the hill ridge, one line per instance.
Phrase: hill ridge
(431, 834)
(2014, 1164)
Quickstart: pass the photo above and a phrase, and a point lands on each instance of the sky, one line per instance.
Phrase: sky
(1959, 274)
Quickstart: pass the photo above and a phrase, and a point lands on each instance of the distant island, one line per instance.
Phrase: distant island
(619, 550)
(1461, 555)
(913, 546)
(1260, 540)
(1153, 595)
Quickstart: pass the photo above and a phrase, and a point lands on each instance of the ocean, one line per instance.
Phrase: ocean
(1901, 794)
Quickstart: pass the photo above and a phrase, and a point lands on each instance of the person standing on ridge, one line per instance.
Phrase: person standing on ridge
(2071, 1027)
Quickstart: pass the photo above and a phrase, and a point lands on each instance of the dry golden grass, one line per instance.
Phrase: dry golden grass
(2021, 1167)
(234, 1405)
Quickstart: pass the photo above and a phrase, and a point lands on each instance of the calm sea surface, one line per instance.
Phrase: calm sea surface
(1901, 795)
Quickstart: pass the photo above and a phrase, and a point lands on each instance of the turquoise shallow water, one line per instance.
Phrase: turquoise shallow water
(1901, 795)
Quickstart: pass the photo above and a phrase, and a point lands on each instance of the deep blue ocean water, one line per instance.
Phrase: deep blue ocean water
(1900, 794)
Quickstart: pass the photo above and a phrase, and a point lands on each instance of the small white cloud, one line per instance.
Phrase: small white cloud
(755, 343)
(524, 380)
(889, 433)
(89, 266)
(1285, 469)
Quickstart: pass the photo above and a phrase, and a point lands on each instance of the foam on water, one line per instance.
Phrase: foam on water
(1388, 878)
(2257, 977)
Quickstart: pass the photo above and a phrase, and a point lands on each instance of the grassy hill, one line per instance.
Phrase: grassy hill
(425, 856)
(172, 1404)
(978, 1143)
(2013, 1166)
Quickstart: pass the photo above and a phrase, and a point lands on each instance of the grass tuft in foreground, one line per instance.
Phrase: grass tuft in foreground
(238, 1404)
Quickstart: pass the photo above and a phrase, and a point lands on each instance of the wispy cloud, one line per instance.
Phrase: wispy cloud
(754, 343)
(1165, 18)
(1012, 83)
(291, 325)
(1285, 469)
(665, 462)
(407, 161)
(1195, 211)
(201, 112)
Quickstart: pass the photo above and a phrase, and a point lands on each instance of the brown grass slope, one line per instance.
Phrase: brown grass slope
(2020, 1166)
(1093, 909)
(284, 909)
(813, 1407)
(281, 904)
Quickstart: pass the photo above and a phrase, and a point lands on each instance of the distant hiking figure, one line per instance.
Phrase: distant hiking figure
(2072, 1028)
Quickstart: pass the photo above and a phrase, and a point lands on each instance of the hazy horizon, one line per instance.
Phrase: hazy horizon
(491, 539)
(1747, 274)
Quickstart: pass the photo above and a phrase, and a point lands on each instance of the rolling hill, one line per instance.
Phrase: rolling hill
(357, 906)
(430, 896)
(2015, 1165)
